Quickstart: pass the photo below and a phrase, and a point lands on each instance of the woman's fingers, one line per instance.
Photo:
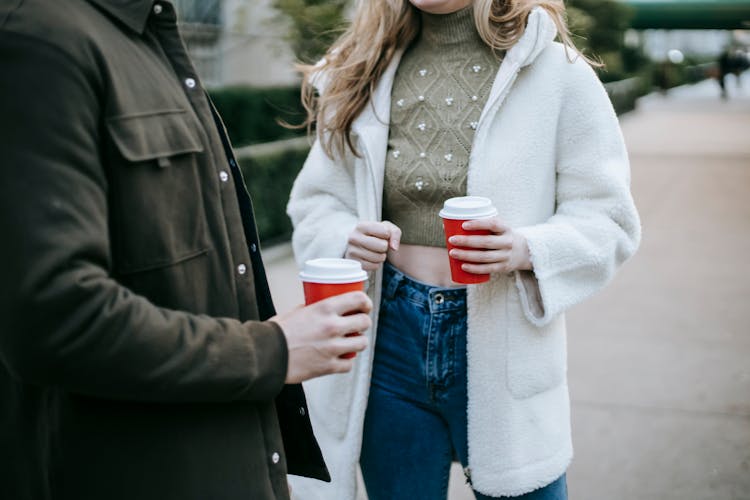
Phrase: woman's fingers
(497, 267)
(373, 228)
(501, 251)
(385, 230)
(369, 243)
(484, 242)
(493, 224)
(481, 256)
(370, 260)
(394, 240)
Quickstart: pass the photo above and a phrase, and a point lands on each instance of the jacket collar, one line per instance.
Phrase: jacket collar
(132, 13)
(539, 33)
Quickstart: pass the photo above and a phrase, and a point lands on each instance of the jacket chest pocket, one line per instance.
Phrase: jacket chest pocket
(157, 211)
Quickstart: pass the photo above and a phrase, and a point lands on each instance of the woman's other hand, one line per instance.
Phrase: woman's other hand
(501, 251)
(370, 241)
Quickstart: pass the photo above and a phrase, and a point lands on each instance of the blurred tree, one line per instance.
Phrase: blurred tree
(599, 29)
(315, 25)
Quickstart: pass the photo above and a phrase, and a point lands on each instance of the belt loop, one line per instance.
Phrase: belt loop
(390, 289)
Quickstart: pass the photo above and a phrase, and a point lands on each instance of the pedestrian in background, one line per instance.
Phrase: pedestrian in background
(140, 353)
(732, 61)
(424, 100)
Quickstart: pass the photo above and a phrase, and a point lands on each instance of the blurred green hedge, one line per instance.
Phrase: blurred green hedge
(269, 171)
(656, 76)
(252, 114)
(668, 75)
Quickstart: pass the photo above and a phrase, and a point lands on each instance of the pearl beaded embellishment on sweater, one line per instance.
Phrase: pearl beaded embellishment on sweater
(439, 91)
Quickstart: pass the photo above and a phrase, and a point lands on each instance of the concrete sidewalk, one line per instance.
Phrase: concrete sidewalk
(660, 361)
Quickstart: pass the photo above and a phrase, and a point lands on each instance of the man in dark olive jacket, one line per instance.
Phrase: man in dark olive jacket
(137, 358)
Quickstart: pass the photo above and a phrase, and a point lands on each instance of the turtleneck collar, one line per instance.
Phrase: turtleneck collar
(445, 29)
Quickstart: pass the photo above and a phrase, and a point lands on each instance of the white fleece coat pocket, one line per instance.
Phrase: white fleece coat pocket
(536, 359)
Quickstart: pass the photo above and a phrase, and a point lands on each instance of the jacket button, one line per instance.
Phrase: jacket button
(253, 247)
(242, 269)
(190, 83)
(223, 176)
(302, 411)
(275, 458)
(158, 9)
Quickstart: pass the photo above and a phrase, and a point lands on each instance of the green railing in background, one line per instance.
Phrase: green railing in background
(690, 14)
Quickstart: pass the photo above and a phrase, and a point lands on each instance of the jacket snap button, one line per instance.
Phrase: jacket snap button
(275, 458)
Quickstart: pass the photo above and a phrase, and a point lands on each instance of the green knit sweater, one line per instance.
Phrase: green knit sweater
(439, 91)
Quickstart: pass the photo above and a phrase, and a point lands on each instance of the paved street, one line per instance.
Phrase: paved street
(660, 361)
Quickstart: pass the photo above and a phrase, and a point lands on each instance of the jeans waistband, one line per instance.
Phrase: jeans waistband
(433, 298)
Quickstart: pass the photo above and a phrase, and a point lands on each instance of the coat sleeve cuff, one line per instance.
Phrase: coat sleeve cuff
(529, 283)
(267, 358)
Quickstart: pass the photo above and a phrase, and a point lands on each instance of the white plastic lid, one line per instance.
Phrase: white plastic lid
(332, 271)
(467, 208)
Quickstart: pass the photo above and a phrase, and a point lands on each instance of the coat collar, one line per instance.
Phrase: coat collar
(539, 33)
(132, 13)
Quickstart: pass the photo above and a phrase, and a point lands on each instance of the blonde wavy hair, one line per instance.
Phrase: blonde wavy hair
(354, 64)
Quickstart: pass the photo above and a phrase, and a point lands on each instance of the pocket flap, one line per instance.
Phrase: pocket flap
(153, 136)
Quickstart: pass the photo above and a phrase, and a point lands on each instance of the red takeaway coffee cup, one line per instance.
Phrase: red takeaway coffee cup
(455, 212)
(323, 278)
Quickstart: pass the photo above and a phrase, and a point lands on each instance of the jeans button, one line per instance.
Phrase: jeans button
(439, 298)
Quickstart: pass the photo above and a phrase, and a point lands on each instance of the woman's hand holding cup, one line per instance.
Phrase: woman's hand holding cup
(501, 251)
(479, 242)
(370, 242)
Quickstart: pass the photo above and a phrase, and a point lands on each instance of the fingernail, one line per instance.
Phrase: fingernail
(452, 239)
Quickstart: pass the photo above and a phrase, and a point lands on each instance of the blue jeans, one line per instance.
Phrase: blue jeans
(415, 424)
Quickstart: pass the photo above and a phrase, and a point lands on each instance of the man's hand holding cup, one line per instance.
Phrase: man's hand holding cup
(324, 336)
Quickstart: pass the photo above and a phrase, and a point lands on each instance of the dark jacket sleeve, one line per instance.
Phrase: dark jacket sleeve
(63, 320)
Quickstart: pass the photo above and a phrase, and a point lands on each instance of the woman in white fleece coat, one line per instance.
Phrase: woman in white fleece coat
(548, 152)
